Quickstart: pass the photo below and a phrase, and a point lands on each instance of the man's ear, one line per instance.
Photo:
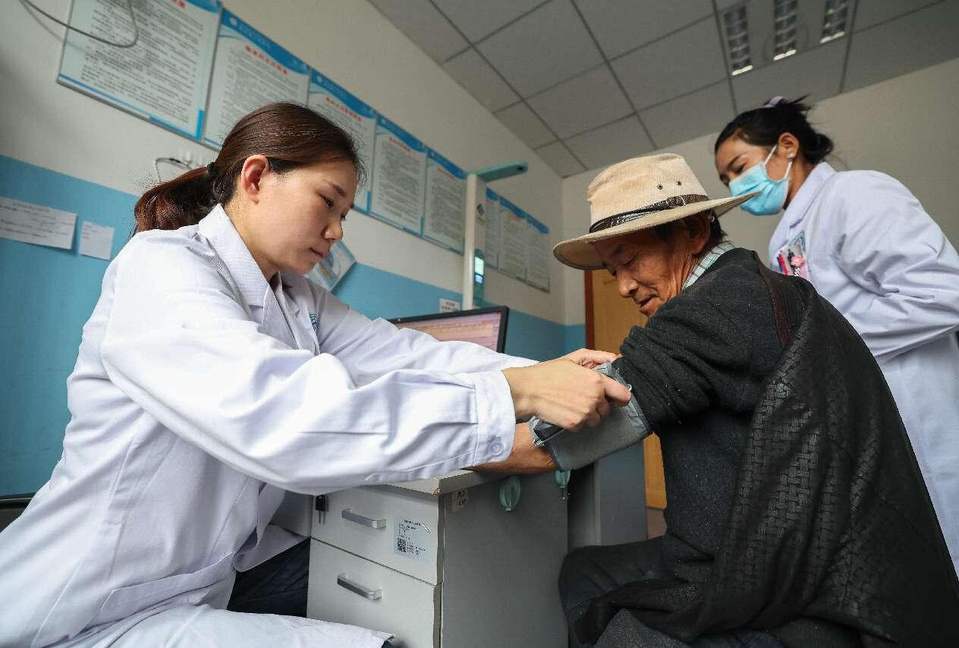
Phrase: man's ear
(251, 175)
(697, 228)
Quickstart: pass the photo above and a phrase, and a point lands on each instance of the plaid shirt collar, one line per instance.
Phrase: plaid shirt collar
(707, 261)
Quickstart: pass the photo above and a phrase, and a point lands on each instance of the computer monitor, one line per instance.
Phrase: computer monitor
(483, 326)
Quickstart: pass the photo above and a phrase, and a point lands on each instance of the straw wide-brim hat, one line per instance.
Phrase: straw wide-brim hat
(638, 194)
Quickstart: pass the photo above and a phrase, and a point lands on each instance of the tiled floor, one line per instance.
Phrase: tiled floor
(655, 524)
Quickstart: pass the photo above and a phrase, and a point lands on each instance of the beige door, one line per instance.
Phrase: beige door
(608, 320)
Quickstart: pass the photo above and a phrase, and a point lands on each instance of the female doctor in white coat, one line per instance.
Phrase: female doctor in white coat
(212, 376)
(867, 245)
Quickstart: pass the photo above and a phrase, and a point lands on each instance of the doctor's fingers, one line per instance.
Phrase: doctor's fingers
(559, 391)
(590, 358)
(602, 409)
(593, 418)
(587, 402)
(616, 393)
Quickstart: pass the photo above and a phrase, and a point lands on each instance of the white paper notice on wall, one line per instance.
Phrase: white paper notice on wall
(96, 240)
(449, 305)
(37, 224)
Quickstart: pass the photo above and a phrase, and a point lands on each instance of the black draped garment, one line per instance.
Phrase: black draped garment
(795, 503)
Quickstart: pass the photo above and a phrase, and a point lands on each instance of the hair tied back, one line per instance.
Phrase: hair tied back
(775, 101)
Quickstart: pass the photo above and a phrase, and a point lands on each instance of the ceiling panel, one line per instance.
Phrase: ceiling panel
(923, 38)
(688, 60)
(560, 160)
(526, 125)
(691, 116)
(479, 19)
(611, 143)
(622, 25)
(589, 100)
(666, 58)
(480, 80)
(425, 26)
(870, 13)
(543, 48)
(817, 73)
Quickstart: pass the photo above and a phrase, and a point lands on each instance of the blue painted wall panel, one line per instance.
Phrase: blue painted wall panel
(47, 295)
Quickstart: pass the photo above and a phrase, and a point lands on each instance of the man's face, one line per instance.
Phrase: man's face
(648, 270)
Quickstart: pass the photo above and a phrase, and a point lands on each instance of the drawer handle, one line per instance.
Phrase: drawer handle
(348, 514)
(356, 588)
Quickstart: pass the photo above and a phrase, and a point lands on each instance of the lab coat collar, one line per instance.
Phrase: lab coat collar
(807, 193)
(290, 293)
(219, 230)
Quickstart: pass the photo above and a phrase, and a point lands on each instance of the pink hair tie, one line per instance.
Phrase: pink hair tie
(775, 101)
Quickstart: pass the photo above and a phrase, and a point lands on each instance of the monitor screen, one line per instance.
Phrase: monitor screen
(483, 326)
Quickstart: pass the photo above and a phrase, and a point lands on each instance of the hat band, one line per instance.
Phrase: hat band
(662, 205)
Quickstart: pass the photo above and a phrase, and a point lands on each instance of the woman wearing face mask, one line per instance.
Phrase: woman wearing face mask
(212, 376)
(868, 246)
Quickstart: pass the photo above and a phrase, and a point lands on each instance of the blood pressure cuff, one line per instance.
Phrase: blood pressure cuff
(622, 427)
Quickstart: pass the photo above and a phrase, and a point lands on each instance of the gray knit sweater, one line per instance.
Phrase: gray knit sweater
(697, 371)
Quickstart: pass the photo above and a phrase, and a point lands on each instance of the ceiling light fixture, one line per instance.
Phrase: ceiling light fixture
(737, 39)
(834, 20)
(786, 26)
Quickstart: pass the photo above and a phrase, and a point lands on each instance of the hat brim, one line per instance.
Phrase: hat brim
(579, 252)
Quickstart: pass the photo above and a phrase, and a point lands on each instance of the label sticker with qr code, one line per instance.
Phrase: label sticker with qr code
(411, 539)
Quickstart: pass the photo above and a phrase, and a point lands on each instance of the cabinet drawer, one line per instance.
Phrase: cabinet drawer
(344, 588)
(399, 529)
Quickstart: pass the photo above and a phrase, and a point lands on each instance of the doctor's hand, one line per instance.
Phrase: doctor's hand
(563, 392)
(590, 358)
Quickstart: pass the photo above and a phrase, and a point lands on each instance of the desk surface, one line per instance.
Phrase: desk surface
(454, 481)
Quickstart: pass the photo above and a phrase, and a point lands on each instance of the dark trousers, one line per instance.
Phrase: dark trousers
(277, 586)
(590, 572)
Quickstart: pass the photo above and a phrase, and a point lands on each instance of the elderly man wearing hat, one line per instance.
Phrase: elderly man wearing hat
(797, 514)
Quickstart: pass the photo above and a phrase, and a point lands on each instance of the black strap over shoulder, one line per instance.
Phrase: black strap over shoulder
(787, 303)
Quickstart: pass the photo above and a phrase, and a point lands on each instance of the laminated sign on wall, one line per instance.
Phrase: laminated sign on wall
(196, 68)
(399, 177)
(513, 237)
(249, 71)
(356, 118)
(445, 202)
(538, 254)
(164, 77)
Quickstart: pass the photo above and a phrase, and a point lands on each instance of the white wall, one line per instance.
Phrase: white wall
(905, 127)
(58, 128)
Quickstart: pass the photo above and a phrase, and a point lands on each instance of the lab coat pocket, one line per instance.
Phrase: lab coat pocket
(126, 601)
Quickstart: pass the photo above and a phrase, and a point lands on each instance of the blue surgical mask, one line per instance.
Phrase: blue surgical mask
(772, 194)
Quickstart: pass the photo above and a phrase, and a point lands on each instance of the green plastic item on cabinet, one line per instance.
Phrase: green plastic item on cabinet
(509, 493)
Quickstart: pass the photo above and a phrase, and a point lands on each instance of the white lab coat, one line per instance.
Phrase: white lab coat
(877, 256)
(199, 394)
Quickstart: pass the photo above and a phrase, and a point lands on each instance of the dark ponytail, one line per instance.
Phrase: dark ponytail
(289, 135)
(763, 126)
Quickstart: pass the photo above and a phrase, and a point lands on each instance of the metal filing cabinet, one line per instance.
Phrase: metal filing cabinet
(441, 564)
